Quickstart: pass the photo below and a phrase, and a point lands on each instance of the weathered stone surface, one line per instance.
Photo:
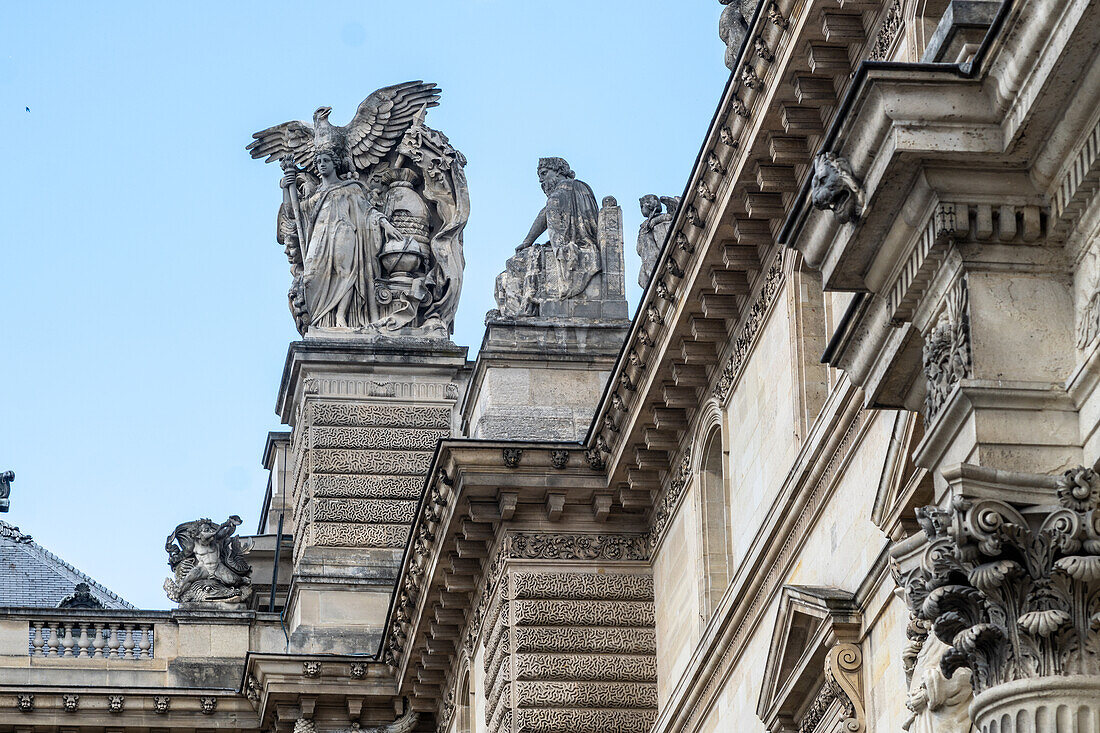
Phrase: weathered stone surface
(578, 272)
(372, 217)
(658, 213)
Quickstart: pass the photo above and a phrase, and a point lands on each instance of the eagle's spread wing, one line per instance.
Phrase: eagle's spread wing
(290, 138)
(383, 118)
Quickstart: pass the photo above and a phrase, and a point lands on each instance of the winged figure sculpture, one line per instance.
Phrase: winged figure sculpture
(379, 123)
(397, 269)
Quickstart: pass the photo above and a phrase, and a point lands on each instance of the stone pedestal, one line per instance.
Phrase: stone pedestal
(366, 417)
(540, 378)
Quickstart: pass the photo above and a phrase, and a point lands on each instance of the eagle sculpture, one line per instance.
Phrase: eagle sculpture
(378, 126)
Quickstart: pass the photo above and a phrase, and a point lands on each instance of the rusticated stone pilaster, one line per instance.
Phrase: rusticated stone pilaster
(570, 651)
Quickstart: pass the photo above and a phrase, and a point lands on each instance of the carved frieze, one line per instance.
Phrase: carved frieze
(376, 437)
(577, 546)
(347, 460)
(340, 486)
(374, 511)
(753, 322)
(586, 694)
(373, 415)
(583, 613)
(586, 639)
(582, 586)
(360, 535)
(888, 32)
(662, 513)
(545, 720)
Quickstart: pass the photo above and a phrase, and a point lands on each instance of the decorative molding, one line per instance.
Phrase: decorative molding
(670, 500)
(359, 461)
(547, 546)
(754, 320)
(161, 704)
(70, 702)
(946, 355)
(366, 387)
(888, 32)
(115, 703)
(208, 705)
(25, 701)
(399, 438)
(349, 414)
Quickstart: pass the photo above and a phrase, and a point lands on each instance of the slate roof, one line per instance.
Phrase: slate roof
(32, 576)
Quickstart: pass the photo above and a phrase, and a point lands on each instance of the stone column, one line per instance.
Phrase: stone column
(1008, 577)
(366, 418)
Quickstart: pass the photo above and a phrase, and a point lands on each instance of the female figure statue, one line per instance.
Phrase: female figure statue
(343, 232)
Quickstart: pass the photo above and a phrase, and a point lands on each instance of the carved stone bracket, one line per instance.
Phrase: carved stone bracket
(816, 632)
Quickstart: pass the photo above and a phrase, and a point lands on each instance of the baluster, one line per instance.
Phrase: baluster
(146, 641)
(97, 641)
(112, 644)
(37, 640)
(66, 640)
(83, 642)
(128, 641)
(54, 640)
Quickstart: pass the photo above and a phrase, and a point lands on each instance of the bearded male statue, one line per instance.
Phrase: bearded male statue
(564, 267)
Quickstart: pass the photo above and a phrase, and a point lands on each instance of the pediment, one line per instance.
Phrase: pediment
(812, 620)
(902, 485)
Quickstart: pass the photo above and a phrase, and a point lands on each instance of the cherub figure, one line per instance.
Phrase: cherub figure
(208, 563)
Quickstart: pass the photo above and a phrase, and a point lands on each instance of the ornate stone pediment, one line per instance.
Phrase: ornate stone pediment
(812, 678)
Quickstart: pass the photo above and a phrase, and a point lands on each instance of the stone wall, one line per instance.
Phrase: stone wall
(570, 651)
(361, 471)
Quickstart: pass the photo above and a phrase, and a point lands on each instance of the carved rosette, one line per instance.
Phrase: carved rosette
(1014, 591)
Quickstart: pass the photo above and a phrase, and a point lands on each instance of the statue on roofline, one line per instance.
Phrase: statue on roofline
(372, 217)
(208, 564)
(658, 213)
(565, 268)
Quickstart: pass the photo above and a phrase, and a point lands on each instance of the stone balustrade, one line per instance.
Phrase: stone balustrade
(95, 638)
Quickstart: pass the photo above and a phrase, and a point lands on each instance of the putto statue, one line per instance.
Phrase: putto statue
(372, 217)
(208, 563)
(583, 248)
(658, 213)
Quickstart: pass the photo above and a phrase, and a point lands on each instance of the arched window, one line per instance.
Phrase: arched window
(464, 705)
(714, 513)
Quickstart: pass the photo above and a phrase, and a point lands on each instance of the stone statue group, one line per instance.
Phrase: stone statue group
(372, 217)
(373, 214)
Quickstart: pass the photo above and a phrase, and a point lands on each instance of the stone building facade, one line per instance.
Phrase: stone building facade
(839, 473)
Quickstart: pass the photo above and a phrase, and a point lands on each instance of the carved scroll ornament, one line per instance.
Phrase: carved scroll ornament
(1013, 592)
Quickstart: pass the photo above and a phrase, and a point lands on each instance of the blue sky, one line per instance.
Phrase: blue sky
(144, 319)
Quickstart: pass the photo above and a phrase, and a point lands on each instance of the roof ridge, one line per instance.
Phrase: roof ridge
(13, 532)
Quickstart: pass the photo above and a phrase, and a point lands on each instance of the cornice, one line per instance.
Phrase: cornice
(458, 541)
(719, 271)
